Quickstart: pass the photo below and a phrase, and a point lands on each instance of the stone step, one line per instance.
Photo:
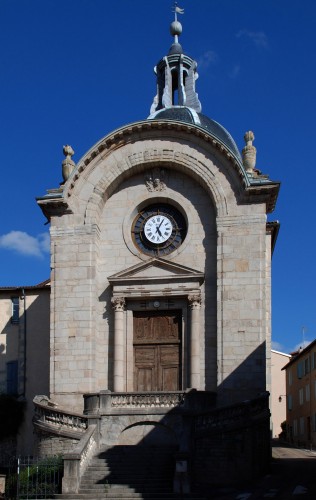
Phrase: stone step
(111, 495)
(131, 484)
(126, 477)
(128, 473)
(96, 468)
(135, 488)
(161, 474)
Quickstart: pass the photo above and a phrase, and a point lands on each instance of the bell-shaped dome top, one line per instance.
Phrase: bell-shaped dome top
(189, 115)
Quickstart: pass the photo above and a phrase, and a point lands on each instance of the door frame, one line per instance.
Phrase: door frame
(157, 348)
(172, 304)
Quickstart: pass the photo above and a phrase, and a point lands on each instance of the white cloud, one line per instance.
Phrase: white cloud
(206, 59)
(301, 345)
(277, 346)
(25, 244)
(259, 38)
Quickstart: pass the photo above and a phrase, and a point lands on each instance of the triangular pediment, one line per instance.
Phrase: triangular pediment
(156, 277)
(156, 269)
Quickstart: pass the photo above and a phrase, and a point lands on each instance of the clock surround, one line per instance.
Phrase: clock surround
(159, 229)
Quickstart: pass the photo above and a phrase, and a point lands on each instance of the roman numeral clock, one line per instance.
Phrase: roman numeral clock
(159, 229)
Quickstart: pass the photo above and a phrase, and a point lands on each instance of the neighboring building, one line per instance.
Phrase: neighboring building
(301, 397)
(278, 391)
(160, 329)
(24, 355)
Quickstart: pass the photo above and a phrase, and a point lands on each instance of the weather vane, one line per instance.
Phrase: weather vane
(177, 10)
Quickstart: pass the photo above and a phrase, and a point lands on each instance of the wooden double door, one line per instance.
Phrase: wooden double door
(157, 351)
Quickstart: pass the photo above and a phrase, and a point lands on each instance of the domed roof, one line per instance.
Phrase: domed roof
(189, 115)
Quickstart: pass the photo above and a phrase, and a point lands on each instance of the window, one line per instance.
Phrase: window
(313, 359)
(301, 396)
(300, 368)
(306, 366)
(15, 301)
(12, 377)
(295, 427)
(290, 377)
(314, 422)
(302, 427)
(289, 402)
(307, 393)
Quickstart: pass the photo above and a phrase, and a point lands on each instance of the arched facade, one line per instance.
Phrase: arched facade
(217, 281)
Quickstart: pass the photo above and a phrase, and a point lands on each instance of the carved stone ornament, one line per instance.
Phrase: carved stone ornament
(118, 303)
(194, 301)
(249, 153)
(154, 180)
(68, 164)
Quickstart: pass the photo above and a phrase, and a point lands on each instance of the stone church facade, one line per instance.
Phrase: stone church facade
(161, 278)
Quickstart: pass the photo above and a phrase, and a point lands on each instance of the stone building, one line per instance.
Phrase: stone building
(300, 373)
(24, 355)
(160, 321)
(278, 391)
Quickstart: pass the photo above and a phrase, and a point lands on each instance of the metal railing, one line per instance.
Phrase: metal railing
(33, 477)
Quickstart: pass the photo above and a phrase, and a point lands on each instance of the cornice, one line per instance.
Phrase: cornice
(148, 129)
(259, 189)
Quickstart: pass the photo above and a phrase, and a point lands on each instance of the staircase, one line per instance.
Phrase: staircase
(128, 472)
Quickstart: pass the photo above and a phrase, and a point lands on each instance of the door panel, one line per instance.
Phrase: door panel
(157, 326)
(168, 367)
(157, 351)
(170, 377)
(145, 377)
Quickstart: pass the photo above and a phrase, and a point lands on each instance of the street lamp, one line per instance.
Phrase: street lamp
(280, 397)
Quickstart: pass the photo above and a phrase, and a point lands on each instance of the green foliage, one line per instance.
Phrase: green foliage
(40, 479)
(11, 415)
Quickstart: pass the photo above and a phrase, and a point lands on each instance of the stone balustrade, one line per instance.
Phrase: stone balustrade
(107, 402)
(76, 462)
(55, 420)
(147, 400)
(110, 402)
(233, 416)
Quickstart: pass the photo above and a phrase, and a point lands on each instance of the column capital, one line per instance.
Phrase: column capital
(194, 301)
(118, 303)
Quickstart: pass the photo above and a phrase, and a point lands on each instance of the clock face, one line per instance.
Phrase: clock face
(159, 229)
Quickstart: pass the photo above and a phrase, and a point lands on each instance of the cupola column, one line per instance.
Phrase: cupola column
(119, 307)
(195, 306)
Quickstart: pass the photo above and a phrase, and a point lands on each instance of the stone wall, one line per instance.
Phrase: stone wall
(48, 445)
(233, 446)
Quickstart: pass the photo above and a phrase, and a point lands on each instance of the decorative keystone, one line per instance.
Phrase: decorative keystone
(68, 164)
(249, 152)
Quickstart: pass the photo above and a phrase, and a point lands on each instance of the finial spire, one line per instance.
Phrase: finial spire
(176, 27)
(177, 10)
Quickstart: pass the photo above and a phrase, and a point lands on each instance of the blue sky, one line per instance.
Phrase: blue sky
(73, 70)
